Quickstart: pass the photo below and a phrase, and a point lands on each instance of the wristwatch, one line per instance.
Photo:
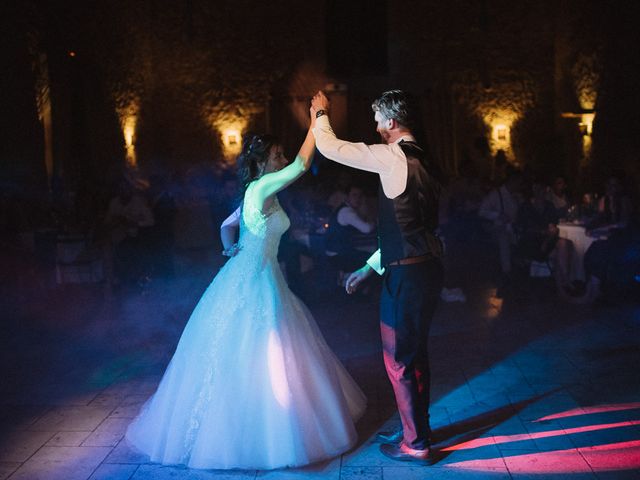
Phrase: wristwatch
(319, 113)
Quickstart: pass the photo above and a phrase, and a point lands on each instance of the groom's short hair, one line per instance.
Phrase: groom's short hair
(399, 106)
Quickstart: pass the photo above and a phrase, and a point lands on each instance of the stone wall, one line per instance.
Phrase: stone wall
(157, 82)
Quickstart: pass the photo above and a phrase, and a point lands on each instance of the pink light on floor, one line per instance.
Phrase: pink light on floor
(613, 456)
(561, 461)
(588, 410)
(609, 457)
(484, 441)
(616, 456)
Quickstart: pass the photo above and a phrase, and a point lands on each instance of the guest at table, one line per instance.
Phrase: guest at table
(499, 209)
(460, 228)
(339, 188)
(128, 222)
(558, 196)
(612, 262)
(292, 249)
(614, 208)
(538, 235)
(346, 222)
(536, 225)
(612, 265)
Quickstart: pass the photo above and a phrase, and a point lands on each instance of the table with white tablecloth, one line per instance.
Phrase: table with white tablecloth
(577, 233)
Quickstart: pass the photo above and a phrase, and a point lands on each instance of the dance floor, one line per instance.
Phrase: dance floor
(526, 387)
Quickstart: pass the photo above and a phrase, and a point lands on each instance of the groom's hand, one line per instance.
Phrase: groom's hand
(356, 278)
(319, 102)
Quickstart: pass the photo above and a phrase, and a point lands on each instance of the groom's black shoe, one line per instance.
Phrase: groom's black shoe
(403, 453)
(393, 437)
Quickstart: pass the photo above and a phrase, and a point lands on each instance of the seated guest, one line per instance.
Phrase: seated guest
(612, 265)
(536, 226)
(128, 222)
(557, 195)
(499, 208)
(345, 224)
(538, 234)
(613, 262)
(339, 187)
(614, 208)
(292, 248)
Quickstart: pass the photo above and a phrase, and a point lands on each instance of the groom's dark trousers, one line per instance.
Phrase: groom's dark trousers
(409, 297)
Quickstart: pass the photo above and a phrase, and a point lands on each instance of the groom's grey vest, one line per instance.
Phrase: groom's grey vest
(407, 223)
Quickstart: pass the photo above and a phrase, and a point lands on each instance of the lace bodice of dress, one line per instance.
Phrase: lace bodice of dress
(260, 232)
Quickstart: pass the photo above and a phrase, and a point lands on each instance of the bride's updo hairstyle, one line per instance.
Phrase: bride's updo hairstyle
(253, 158)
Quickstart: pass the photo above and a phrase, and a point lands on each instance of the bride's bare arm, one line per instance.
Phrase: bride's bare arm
(228, 232)
(270, 184)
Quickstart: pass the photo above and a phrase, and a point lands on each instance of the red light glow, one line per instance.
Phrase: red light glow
(588, 410)
(616, 456)
(484, 441)
(609, 457)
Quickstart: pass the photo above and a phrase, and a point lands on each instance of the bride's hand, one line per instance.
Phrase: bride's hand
(232, 251)
(319, 102)
(312, 117)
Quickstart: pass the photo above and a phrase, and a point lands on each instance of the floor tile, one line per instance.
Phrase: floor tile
(78, 418)
(68, 439)
(18, 446)
(7, 468)
(113, 471)
(61, 463)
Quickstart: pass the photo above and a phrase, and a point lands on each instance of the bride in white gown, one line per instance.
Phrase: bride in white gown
(252, 383)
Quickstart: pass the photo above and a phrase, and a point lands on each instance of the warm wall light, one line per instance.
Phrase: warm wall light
(499, 123)
(129, 130)
(501, 132)
(500, 135)
(128, 112)
(586, 123)
(228, 123)
(231, 138)
(585, 126)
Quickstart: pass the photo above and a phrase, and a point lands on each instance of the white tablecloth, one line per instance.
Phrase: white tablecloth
(581, 242)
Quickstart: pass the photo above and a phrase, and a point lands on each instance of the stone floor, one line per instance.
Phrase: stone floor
(525, 387)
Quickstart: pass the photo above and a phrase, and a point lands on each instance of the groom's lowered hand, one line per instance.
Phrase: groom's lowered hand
(356, 278)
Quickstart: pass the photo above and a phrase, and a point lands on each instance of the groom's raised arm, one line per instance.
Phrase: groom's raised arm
(387, 160)
(371, 158)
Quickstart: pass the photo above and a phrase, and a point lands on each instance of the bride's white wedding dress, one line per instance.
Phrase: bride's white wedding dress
(252, 383)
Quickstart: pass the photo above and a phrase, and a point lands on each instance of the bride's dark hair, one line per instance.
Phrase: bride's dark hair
(253, 158)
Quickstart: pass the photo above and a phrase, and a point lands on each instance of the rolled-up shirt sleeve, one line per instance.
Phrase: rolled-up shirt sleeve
(375, 262)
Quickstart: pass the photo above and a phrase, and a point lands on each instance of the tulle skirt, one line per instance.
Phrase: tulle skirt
(252, 383)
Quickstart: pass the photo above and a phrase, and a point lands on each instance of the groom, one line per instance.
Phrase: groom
(408, 257)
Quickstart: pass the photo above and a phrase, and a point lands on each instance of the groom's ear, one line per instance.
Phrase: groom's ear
(392, 123)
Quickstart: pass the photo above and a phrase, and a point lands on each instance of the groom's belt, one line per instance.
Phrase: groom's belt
(411, 260)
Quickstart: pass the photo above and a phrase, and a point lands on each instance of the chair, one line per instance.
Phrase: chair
(76, 262)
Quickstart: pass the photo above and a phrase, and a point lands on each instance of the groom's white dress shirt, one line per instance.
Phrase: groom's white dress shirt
(388, 161)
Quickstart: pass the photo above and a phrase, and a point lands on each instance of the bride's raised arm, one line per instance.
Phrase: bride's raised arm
(271, 183)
